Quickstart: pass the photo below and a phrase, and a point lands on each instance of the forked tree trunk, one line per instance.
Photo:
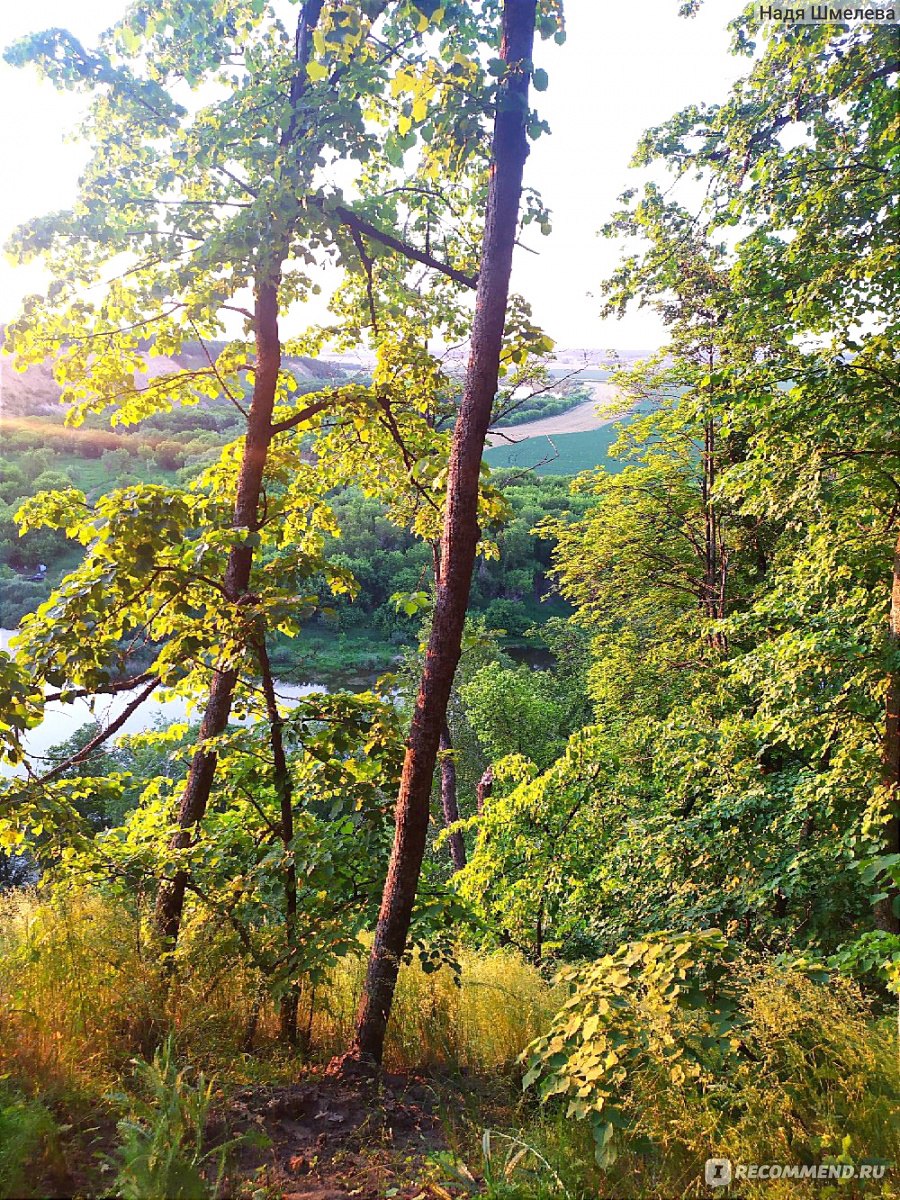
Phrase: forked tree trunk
(885, 916)
(460, 535)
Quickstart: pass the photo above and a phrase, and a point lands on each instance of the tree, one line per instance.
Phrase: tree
(798, 164)
(460, 532)
(207, 201)
(772, 467)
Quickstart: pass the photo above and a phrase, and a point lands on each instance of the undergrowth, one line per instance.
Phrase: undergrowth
(813, 1076)
(81, 992)
(28, 1142)
(163, 1149)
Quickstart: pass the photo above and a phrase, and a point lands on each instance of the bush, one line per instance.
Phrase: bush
(510, 616)
(800, 1072)
(655, 1003)
(17, 597)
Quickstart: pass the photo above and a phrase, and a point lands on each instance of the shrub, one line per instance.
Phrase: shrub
(652, 1055)
(626, 1012)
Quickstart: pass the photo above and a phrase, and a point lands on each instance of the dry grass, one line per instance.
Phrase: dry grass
(81, 993)
(482, 1022)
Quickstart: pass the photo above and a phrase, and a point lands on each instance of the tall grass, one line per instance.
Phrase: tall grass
(81, 993)
(481, 1021)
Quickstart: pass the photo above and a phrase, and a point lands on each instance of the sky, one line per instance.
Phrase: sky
(624, 67)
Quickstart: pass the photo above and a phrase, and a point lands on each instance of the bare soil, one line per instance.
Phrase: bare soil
(330, 1140)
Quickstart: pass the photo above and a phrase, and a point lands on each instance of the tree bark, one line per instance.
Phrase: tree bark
(715, 565)
(885, 916)
(197, 788)
(460, 535)
(448, 800)
(260, 431)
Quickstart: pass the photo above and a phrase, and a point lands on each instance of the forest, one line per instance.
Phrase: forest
(575, 871)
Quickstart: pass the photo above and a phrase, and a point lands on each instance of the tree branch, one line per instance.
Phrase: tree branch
(103, 736)
(354, 222)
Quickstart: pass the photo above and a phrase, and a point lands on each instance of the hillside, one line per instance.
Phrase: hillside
(35, 392)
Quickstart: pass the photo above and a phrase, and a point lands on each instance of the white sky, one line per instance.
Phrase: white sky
(624, 67)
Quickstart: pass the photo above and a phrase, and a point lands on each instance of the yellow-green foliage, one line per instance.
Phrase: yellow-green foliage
(814, 1079)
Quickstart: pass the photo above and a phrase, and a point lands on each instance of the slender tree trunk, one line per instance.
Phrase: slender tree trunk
(448, 799)
(715, 564)
(197, 789)
(460, 535)
(484, 789)
(885, 916)
(284, 789)
(711, 572)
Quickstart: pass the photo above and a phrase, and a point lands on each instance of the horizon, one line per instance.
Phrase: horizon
(580, 169)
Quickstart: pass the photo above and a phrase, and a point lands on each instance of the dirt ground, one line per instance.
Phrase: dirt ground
(331, 1140)
(577, 420)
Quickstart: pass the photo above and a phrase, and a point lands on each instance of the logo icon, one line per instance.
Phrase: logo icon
(718, 1172)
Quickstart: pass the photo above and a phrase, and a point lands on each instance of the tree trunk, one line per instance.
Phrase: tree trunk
(460, 534)
(197, 788)
(448, 800)
(715, 565)
(484, 789)
(284, 790)
(885, 916)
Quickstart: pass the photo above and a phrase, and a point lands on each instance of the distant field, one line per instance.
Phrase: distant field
(561, 454)
(92, 475)
(604, 407)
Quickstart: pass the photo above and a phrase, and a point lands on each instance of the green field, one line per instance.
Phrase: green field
(562, 454)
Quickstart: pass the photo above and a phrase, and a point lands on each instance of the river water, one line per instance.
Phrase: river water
(61, 721)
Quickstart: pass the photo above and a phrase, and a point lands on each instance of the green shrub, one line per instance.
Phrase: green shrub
(626, 1012)
(674, 1055)
(163, 1151)
(28, 1136)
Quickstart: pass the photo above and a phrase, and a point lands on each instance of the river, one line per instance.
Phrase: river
(62, 720)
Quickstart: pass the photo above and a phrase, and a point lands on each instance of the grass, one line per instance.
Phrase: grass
(815, 1082)
(80, 993)
(92, 475)
(28, 1142)
(816, 1078)
(164, 1150)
